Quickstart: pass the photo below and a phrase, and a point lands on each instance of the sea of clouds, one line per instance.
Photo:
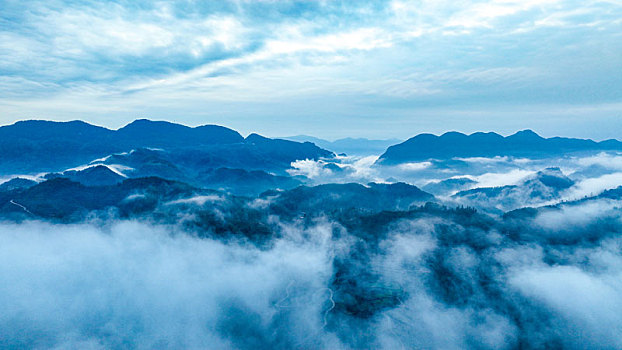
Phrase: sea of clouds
(592, 173)
(555, 283)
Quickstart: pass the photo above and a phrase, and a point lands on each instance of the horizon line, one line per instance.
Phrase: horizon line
(304, 135)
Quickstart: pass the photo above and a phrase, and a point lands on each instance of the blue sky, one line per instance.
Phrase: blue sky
(328, 68)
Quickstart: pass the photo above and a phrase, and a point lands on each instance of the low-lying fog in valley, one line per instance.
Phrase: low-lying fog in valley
(495, 184)
(429, 279)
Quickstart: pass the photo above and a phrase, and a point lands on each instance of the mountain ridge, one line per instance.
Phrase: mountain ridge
(524, 143)
(40, 145)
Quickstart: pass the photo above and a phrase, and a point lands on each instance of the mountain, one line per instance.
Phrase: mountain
(98, 175)
(187, 164)
(448, 186)
(546, 185)
(37, 130)
(350, 146)
(524, 143)
(203, 211)
(287, 150)
(44, 146)
(161, 134)
(256, 165)
(36, 145)
(243, 182)
(16, 183)
(144, 162)
(66, 200)
(339, 197)
(315, 140)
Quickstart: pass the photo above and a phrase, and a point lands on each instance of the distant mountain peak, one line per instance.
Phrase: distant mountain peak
(525, 143)
(254, 137)
(153, 124)
(141, 121)
(552, 171)
(452, 134)
(165, 134)
(553, 177)
(526, 134)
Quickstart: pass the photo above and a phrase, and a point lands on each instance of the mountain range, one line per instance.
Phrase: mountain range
(66, 199)
(44, 146)
(38, 146)
(524, 143)
(219, 158)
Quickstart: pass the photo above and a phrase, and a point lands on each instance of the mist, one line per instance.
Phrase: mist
(427, 282)
(133, 285)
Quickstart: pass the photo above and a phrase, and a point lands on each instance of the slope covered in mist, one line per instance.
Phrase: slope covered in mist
(427, 277)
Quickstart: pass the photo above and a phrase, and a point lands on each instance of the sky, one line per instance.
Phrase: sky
(331, 69)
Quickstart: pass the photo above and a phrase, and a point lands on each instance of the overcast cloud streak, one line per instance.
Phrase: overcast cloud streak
(423, 63)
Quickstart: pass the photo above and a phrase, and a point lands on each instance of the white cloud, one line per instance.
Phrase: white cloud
(593, 186)
(605, 159)
(485, 160)
(309, 168)
(112, 30)
(198, 200)
(575, 217)
(501, 179)
(353, 169)
(139, 286)
(414, 166)
(591, 304)
(33, 177)
(374, 59)
(358, 39)
(118, 169)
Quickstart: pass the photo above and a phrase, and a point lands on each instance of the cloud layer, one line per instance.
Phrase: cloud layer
(427, 282)
(223, 61)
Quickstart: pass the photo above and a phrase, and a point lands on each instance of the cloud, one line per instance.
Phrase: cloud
(118, 169)
(359, 39)
(483, 14)
(356, 59)
(414, 166)
(198, 200)
(593, 186)
(502, 179)
(345, 169)
(589, 305)
(136, 285)
(577, 216)
(605, 159)
(429, 282)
